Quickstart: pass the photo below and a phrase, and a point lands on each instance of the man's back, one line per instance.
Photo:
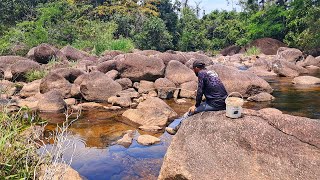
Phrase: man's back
(212, 88)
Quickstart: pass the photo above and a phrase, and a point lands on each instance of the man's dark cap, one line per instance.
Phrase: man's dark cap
(198, 63)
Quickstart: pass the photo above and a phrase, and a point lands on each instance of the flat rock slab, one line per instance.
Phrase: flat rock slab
(151, 112)
(150, 128)
(261, 97)
(261, 145)
(147, 140)
(306, 80)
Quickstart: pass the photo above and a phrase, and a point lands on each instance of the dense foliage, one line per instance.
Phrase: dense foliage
(98, 25)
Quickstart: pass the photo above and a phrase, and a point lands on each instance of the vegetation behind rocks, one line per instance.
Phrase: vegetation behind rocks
(96, 26)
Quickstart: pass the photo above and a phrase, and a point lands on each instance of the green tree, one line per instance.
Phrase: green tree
(223, 29)
(303, 24)
(168, 13)
(269, 22)
(64, 22)
(191, 36)
(154, 35)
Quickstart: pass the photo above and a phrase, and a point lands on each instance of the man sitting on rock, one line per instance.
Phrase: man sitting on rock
(211, 87)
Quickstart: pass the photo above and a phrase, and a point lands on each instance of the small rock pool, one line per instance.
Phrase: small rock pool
(94, 134)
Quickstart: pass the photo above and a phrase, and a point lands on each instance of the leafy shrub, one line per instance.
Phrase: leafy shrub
(60, 23)
(125, 45)
(154, 35)
(18, 157)
(253, 51)
(35, 75)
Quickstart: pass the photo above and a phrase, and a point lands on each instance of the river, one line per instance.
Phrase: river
(95, 132)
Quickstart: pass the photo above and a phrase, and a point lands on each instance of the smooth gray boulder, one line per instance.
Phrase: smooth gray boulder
(178, 73)
(243, 82)
(151, 112)
(262, 144)
(99, 87)
(138, 67)
(306, 80)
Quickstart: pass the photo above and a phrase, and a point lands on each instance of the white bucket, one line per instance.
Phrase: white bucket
(234, 106)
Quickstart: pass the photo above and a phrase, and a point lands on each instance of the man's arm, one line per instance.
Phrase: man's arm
(201, 76)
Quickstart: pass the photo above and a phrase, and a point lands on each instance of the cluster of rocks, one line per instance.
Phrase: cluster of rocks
(140, 79)
(145, 140)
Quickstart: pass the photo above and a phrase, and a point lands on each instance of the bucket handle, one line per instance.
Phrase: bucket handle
(233, 94)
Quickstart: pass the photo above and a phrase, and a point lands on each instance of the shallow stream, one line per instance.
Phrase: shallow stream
(97, 157)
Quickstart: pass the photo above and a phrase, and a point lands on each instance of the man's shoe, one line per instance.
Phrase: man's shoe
(171, 131)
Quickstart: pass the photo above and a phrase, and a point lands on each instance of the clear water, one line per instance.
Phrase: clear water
(97, 157)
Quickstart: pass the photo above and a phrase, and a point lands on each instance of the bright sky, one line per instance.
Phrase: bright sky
(210, 5)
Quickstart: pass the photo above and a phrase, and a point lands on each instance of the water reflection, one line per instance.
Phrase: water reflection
(299, 100)
(97, 157)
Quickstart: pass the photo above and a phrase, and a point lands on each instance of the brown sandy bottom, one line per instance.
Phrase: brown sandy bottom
(97, 157)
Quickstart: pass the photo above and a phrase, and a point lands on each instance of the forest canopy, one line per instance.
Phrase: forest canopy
(98, 25)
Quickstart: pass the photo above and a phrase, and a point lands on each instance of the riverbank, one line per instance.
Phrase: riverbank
(123, 96)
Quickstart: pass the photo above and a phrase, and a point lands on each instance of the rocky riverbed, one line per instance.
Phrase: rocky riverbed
(145, 90)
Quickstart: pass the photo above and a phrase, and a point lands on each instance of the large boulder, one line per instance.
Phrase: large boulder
(313, 52)
(5, 63)
(111, 53)
(44, 53)
(230, 50)
(21, 68)
(306, 80)
(165, 88)
(261, 145)
(287, 69)
(70, 74)
(124, 101)
(188, 89)
(138, 67)
(197, 55)
(290, 54)
(178, 73)
(84, 65)
(30, 89)
(147, 52)
(267, 46)
(263, 63)
(60, 171)
(7, 89)
(98, 87)
(167, 57)
(125, 83)
(145, 87)
(52, 101)
(309, 61)
(243, 82)
(151, 112)
(107, 66)
(55, 81)
(190, 62)
(259, 71)
(131, 93)
(113, 74)
(73, 54)
(147, 140)
(261, 97)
